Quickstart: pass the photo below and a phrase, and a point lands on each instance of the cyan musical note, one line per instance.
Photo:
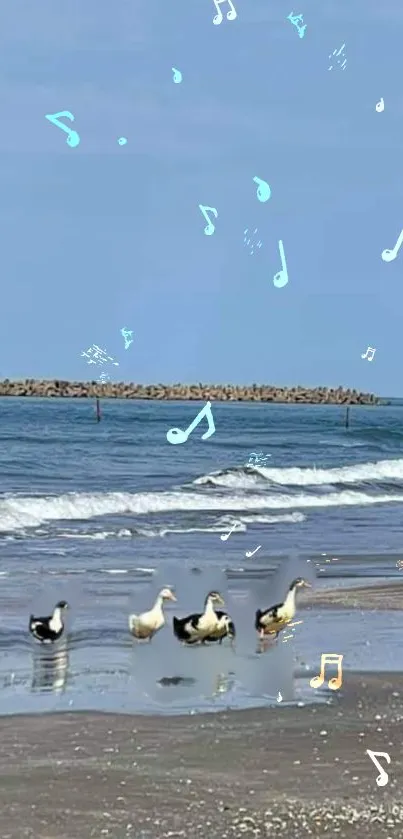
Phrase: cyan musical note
(389, 255)
(335, 52)
(209, 229)
(230, 15)
(281, 278)
(73, 138)
(380, 106)
(125, 332)
(248, 241)
(263, 191)
(294, 20)
(177, 75)
(177, 435)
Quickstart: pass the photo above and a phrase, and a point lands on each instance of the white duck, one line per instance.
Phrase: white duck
(148, 623)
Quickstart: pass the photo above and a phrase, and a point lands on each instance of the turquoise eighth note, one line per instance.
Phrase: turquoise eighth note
(209, 228)
(73, 138)
(176, 436)
(263, 191)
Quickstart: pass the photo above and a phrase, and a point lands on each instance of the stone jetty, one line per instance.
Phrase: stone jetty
(216, 393)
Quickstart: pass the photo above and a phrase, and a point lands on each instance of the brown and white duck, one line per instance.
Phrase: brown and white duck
(145, 625)
(271, 621)
(199, 627)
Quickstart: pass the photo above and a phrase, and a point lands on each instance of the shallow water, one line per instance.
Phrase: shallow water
(105, 515)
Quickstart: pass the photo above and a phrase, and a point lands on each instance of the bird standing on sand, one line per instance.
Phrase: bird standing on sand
(49, 629)
(145, 626)
(199, 627)
(276, 618)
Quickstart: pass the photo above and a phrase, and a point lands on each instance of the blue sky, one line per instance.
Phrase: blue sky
(105, 236)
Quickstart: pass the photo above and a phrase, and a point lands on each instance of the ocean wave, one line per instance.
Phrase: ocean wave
(30, 512)
(382, 470)
(291, 518)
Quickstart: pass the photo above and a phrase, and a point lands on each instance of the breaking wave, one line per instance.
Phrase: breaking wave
(19, 512)
(251, 476)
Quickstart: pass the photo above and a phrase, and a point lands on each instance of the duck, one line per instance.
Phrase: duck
(145, 625)
(225, 628)
(199, 627)
(271, 621)
(49, 629)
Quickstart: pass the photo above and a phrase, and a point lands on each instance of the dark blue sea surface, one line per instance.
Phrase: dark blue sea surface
(106, 514)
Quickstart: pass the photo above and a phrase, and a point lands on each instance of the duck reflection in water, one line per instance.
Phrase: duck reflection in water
(224, 683)
(49, 669)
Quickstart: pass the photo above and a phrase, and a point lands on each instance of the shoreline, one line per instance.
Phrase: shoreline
(180, 392)
(255, 772)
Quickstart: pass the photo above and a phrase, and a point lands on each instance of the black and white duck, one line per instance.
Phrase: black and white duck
(199, 627)
(276, 618)
(145, 625)
(49, 629)
(225, 628)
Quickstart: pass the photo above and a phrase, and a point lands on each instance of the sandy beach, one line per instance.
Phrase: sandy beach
(303, 771)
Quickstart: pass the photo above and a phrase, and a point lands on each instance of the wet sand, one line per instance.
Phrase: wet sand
(295, 771)
(380, 596)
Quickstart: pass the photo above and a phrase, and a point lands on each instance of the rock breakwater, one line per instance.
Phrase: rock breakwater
(218, 393)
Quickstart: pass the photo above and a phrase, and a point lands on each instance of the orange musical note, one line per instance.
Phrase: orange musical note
(335, 683)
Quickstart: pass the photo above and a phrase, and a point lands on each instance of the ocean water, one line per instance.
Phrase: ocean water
(104, 515)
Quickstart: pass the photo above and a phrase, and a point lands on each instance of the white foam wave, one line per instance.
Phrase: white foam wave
(114, 571)
(298, 476)
(22, 512)
(223, 526)
(292, 518)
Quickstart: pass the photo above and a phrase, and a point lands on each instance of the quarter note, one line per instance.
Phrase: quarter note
(335, 683)
(383, 778)
(209, 229)
(380, 105)
(389, 255)
(230, 15)
(226, 536)
(281, 278)
(263, 191)
(73, 138)
(177, 435)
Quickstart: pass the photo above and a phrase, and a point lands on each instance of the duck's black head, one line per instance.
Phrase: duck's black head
(62, 604)
(299, 582)
(215, 597)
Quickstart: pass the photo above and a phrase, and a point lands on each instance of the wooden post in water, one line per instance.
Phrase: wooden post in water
(347, 416)
(98, 410)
